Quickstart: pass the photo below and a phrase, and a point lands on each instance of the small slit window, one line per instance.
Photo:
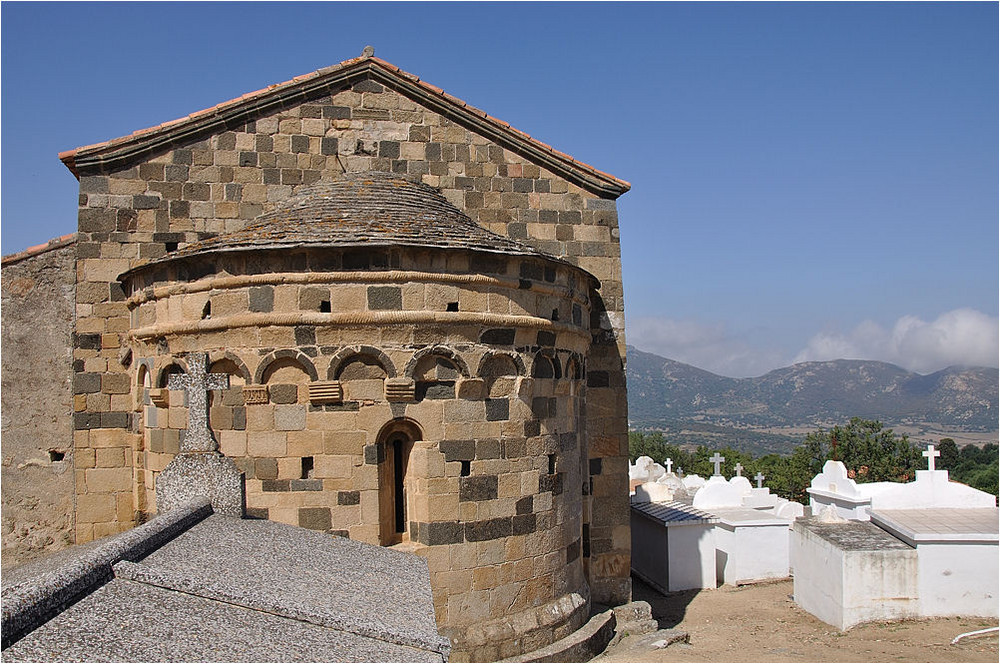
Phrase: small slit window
(324, 307)
(307, 468)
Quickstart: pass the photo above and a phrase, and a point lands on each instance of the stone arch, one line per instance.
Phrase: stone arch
(173, 366)
(282, 358)
(440, 351)
(574, 367)
(546, 365)
(488, 365)
(395, 442)
(345, 355)
(499, 372)
(231, 364)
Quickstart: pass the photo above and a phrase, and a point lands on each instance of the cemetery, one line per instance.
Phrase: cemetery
(859, 552)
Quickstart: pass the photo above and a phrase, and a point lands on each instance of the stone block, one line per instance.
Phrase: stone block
(400, 389)
(290, 417)
(252, 394)
(285, 393)
(266, 444)
(382, 298)
(478, 488)
(315, 518)
(266, 469)
(262, 299)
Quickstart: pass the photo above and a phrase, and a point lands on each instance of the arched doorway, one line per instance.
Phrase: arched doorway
(395, 442)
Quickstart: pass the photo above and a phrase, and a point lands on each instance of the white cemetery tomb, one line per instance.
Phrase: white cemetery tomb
(929, 549)
(673, 546)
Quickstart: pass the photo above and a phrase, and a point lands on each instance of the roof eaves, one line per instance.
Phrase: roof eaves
(102, 156)
(54, 243)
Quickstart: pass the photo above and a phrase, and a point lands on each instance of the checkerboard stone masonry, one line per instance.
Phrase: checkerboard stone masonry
(488, 442)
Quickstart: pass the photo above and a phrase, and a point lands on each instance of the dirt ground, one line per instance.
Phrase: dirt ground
(761, 623)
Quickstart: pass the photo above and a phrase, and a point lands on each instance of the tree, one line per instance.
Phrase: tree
(949, 453)
(870, 452)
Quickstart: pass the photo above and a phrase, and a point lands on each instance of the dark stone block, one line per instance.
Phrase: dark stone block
(523, 185)
(305, 335)
(184, 156)
(348, 497)
(440, 532)
(468, 184)
(546, 338)
(532, 428)
(497, 409)
(86, 383)
(257, 513)
(305, 485)
(553, 483)
(374, 454)
(523, 284)
(488, 448)
(86, 421)
(432, 151)
(262, 298)
(264, 143)
(498, 337)
(300, 143)
(572, 552)
(385, 298)
(95, 184)
(283, 393)
(266, 469)
(114, 420)
(368, 85)
(315, 518)
(248, 159)
(87, 341)
(329, 145)
(524, 524)
(337, 112)
(482, 487)
(435, 390)
(388, 149)
(595, 466)
(240, 418)
(597, 379)
(490, 529)
(524, 505)
(274, 485)
(272, 176)
(458, 450)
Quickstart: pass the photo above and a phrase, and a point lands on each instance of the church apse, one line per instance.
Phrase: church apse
(418, 315)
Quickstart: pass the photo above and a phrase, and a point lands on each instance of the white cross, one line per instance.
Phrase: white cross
(669, 463)
(931, 453)
(739, 469)
(717, 460)
(760, 479)
(196, 382)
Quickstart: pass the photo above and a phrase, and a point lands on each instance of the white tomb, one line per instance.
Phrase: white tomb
(751, 545)
(930, 549)
(673, 546)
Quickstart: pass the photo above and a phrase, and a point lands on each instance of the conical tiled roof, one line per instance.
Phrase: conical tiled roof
(370, 209)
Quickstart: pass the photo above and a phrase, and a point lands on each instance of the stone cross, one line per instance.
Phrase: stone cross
(717, 460)
(197, 382)
(669, 463)
(739, 469)
(760, 479)
(931, 453)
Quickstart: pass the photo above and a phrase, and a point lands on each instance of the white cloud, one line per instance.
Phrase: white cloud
(707, 346)
(962, 337)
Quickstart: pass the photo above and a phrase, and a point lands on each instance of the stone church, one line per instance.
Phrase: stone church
(354, 303)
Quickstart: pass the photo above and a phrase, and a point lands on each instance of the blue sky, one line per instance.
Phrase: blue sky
(810, 181)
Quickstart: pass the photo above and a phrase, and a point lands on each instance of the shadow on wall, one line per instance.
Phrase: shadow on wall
(668, 610)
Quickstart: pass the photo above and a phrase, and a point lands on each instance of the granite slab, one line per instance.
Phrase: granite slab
(125, 621)
(852, 535)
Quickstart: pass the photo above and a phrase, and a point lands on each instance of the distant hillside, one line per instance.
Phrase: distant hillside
(665, 393)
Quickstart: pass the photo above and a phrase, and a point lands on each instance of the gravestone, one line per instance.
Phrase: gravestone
(199, 470)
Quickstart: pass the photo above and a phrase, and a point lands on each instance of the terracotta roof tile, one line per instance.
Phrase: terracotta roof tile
(54, 243)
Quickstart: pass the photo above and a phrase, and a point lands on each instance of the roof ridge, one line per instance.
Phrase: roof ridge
(105, 152)
(54, 243)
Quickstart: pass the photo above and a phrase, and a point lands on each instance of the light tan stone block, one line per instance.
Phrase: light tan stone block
(342, 442)
(110, 457)
(233, 443)
(266, 444)
(96, 508)
(103, 480)
(290, 468)
(333, 466)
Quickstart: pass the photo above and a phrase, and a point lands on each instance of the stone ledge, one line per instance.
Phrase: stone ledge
(582, 645)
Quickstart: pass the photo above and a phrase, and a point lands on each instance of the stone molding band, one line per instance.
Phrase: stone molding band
(355, 319)
(359, 277)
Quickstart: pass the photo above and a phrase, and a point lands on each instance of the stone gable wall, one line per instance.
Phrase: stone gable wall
(221, 182)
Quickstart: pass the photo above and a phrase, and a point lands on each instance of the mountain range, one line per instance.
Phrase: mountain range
(666, 394)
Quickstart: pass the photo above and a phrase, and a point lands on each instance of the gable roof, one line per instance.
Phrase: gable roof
(103, 157)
